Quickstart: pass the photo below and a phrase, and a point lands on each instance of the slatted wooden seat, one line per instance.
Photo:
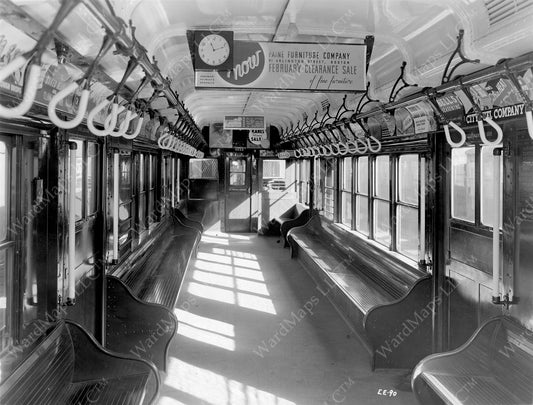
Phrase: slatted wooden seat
(141, 297)
(377, 292)
(495, 367)
(297, 215)
(70, 367)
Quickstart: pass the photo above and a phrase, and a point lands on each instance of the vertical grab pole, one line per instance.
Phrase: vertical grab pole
(71, 288)
(116, 182)
(496, 226)
(422, 210)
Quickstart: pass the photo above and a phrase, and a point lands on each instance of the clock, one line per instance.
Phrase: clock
(213, 50)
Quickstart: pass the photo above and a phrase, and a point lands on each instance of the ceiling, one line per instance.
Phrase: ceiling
(421, 32)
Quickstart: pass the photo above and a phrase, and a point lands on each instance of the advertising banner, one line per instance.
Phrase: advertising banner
(291, 66)
(244, 122)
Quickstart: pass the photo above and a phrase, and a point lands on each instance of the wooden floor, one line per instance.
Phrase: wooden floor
(254, 329)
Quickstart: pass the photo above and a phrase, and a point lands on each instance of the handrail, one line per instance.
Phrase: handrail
(449, 138)
(82, 107)
(34, 56)
(85, 82)
(483, 136)
(30, 87)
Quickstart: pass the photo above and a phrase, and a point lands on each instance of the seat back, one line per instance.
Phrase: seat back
(512, 358)
(299, 209)
(44, 376)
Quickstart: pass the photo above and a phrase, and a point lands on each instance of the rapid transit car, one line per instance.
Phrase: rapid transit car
(252, 202)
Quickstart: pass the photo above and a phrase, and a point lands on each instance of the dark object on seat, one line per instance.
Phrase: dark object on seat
(142, 294)
(495, 367)
(384, 298)
(186, 221)
(70, 367)
(297, 215)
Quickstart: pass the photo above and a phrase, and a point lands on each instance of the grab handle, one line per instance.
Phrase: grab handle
(137, 129)
(92, 115)
(30, 87)
(449, 138)
(377, 149)
(529, 119)
(82, 108)
(483, 136)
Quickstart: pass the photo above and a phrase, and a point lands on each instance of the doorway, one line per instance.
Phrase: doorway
(238, 204)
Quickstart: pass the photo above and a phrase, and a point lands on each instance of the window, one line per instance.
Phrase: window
(303, 180)
(78, 207)
(86, 202)
(4, 191)
(237, 176)
(361, 196)
(273, 169)
(124, 210)
(92, 179)
(381, 200)
(329, 189)
(487, 185)
(6, 245)
(346, 192)
(464, 183)
(407, 232)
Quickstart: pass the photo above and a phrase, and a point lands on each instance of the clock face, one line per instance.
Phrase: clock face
(213, 49)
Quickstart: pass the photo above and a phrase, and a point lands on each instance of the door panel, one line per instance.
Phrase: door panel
(238, 193)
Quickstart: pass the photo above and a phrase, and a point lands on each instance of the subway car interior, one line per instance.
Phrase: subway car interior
(266, 202)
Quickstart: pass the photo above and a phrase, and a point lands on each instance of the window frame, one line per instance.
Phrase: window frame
(475, 226)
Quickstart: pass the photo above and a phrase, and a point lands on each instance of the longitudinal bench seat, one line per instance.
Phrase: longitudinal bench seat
(70, 367)
(141, 296)
(494, 367)
(378, 294)
(296, 215)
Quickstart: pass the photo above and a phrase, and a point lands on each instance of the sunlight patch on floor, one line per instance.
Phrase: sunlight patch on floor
(212, 293)
(169, 401)
(216, 389)
(202, 322)
(206, 337)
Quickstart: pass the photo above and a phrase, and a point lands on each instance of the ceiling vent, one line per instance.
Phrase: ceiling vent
(500, 11)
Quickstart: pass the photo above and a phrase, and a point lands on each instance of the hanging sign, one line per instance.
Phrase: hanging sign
(451, 107)
(244, 122)
(258, 139)
(291, 66)
(416, 118)
(497, 98)
(381, 125)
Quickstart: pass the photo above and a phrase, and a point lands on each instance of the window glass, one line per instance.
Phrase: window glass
(330, 173)
(346, 202)
(361, 216)
(463, 183)
(382, 222)
(78, 207)
(4, 192)
(274, 169)
(92, 155)
(3, 291)
(382, 177)
(362, 175)
(408, 179)
(347, 174)
(407, 231)
(329, 203)
(487, 185)
(141, 173)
